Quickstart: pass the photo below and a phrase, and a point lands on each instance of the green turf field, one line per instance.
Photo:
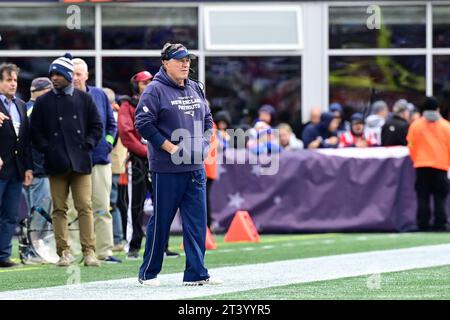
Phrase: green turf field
(427, 283)
(432, 283)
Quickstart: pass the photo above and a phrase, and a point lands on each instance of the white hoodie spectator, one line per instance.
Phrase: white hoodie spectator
(377, 119)
(288, 140)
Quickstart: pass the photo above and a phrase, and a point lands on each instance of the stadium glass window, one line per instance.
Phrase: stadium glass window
(131, 27)
(441, 26)
(358, 80)
(34, 67)
(242, 84)
(401, 27)
(253, 28)
(117, 71)
(441, 74)
(45, 28)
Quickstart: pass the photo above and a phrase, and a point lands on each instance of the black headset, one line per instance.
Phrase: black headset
(170, 47)
(165, 56)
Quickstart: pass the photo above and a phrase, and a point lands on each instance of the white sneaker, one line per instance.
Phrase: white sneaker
(150, 282)
(66, 259)
(209, 281)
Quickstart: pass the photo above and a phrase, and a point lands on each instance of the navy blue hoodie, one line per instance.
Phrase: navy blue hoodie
(164, 107)
(312, 131)
(100, 154)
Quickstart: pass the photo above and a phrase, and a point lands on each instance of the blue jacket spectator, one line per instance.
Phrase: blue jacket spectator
(100, 154)
(323, 134)
(338, 110)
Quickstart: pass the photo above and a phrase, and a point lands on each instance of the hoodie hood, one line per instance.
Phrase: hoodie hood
(164, 108)
(325, 120)
(375, 121)
(224, 116)
(335, 106)
(431, 115)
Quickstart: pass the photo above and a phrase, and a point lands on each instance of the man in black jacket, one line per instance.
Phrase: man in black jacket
(394, 131)
(66, 127)
(15, 153)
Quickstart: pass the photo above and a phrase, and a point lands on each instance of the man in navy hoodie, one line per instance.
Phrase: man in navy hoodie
(323, 134)
(172, 115)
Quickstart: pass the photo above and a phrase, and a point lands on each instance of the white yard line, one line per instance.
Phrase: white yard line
(254, 276)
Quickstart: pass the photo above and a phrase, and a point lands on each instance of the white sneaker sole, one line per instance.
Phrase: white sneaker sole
(149, 283)
(207, 282)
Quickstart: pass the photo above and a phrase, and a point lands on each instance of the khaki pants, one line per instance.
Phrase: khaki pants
(81, 187)
(103, 224)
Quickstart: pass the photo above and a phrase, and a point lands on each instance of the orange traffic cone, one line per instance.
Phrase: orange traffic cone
(210, 244)
(242, 229)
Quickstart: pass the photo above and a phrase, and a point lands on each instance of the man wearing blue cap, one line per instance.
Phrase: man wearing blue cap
(38, 193)
(267, 114)
(356, 137)
(173, 101)
(65, 127)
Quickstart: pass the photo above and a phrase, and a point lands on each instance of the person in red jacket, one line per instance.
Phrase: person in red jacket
(139, 183)
(429, 146)
(357, 137)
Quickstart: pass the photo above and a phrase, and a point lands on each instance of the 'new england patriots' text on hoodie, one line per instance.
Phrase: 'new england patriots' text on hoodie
(165, 107)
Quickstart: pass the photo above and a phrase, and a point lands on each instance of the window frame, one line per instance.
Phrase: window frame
(208, 9)
(428, 51)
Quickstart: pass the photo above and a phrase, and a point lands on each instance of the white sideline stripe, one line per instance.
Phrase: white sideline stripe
(248, 277)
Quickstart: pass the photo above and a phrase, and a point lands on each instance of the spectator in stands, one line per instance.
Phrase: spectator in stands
(266, 114)
(394, 131)
(322, 135)
(429, 145)
(314, 118)
(263, 140)
(223, 121)
(356, 137)
(288, 140)
(101, 170)
(414, 113)
(377, 119)
(338, 111)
